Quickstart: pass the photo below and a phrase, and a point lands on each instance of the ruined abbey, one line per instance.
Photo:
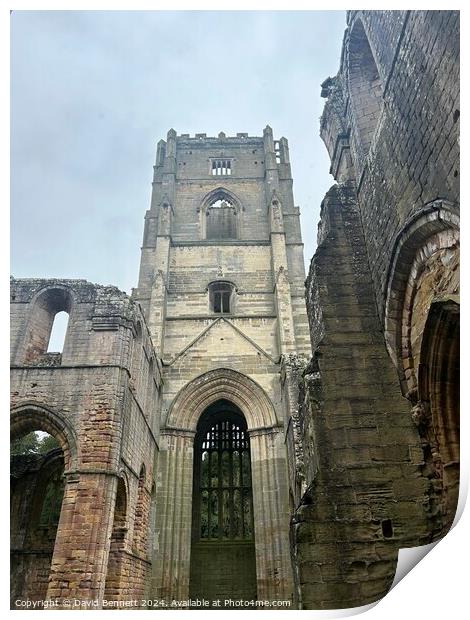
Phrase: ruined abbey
(237, 430)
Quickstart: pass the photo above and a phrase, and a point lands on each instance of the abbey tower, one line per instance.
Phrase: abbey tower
(221, 285)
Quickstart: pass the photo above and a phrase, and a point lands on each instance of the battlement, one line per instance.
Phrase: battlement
(202, 138)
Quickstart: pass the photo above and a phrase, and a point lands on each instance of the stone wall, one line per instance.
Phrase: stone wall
(378, 418)
(413, 156)
(362, 457)
(93, 397)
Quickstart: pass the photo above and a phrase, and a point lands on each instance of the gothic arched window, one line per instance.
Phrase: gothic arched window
(221, 220)
(223, 507)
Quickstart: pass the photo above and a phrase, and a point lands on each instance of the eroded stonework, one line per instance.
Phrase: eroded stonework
(380, 399)
(215, 437)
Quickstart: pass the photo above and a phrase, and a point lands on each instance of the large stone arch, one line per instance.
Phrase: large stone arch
(203, 207)
(37, 498)
(433, 230)
(221, 193)
(171, 576)
(214, 385)
(30, 416)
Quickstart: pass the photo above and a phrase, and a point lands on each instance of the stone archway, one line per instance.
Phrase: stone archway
(31, 416)
(201, 392)
(423, 248)
(422, 337)
(438, 410)
(171, 562)
(114, 586)
(223, 565)
(37, 491)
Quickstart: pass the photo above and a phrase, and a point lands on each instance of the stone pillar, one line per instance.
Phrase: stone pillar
(282, 285)
(271, 514)
(171, 550)
(80, 559)
(157, 314)
(272, 173)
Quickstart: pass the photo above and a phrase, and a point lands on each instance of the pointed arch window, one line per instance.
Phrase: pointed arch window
(221, 219)
(223, 506)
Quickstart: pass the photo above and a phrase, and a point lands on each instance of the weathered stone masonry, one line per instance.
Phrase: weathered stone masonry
(98, 399)
(221, 289)
(203, 451)
(379, 418)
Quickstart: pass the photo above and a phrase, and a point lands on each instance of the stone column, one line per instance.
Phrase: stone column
(271, 514)
(171, 550)
(282, 285)
(80, 559)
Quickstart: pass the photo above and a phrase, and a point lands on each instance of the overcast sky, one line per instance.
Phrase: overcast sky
(93, 92)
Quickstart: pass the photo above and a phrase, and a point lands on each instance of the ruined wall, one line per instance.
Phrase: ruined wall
(36, 496)
(413, 155)
(97, 399)
(362, 453)
(378, 417)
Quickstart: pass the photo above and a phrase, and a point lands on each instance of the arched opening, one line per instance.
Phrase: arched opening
(114, 574)
(424, 265)
(221, 297)
(223, 564)
(151, 396)
(141, 517)
(58, 332)
(47, 327)
(152, 520)
(36, 496)
(221, 220)
(365, 87)
(439, 383)
(136, 360)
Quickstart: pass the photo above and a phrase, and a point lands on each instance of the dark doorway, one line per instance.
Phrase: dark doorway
(439, 382)
(223, 563)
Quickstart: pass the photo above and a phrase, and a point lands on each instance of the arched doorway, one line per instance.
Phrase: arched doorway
(223, 564)
(37, 489)
(173, 532)
(439, 383)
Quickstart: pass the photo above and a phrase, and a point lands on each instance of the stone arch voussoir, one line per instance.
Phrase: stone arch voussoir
(214, 385)
(435, 227)
(28, 417)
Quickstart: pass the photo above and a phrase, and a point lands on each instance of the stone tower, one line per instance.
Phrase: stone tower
(222, 288)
